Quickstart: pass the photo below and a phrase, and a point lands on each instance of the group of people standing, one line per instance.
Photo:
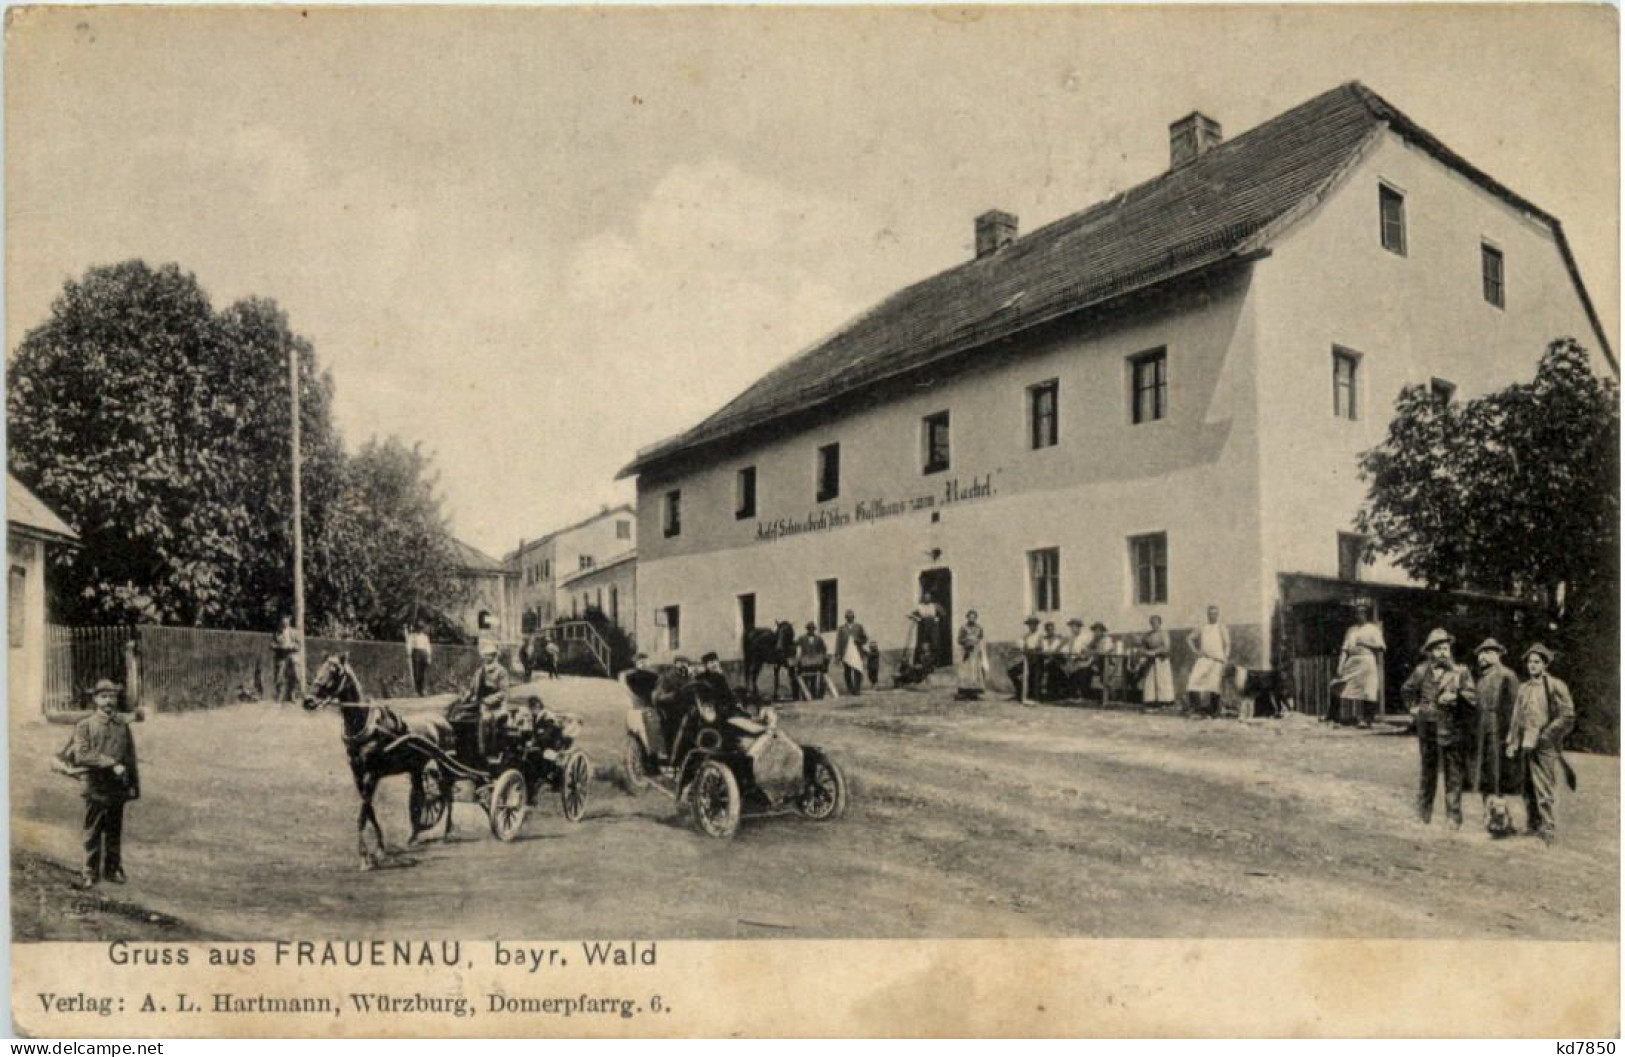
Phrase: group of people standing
(1467, 725)
(1056, 667)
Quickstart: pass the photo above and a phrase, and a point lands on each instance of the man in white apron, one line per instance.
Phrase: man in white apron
(1211, 644)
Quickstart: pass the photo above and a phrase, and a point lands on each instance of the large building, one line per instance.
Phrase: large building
(541, 566)
(1146, 407)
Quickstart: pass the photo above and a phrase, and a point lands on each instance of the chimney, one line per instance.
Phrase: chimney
(995, 230)
(1191, 137)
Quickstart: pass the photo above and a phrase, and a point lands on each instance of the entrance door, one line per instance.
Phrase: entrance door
(747, 613)
(939, 584)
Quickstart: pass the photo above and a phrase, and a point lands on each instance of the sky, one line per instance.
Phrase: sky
(538, 240)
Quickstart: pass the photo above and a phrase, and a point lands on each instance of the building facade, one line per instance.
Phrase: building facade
(1149, 407)
(610, 587)
(32, 530)
(486, 611)
(541, 566)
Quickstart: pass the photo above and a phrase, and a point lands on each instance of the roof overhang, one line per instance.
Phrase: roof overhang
(950, 358)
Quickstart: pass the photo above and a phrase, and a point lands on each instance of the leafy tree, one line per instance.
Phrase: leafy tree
(387, 547)
(1516, 491)
(159, 428)
(150, 423)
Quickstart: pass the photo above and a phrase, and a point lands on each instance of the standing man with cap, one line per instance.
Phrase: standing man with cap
(418, 646)
(1440, 694)
(1211, 644)
(102, 753)
(1024, 673)
(851, 642)
(1497, 691)
(287, 655)
(1542, 716)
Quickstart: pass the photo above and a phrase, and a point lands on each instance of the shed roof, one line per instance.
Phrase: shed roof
(26, 511)
(1225, 206)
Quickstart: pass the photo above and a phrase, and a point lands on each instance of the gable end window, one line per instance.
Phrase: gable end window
(1345, 384)
(1442, 391)
(745, 493)
(1391, 207)
(1043, 414)
(934, 436)
(672, 516)
(1494, 268)
(1148, 377)
(829, 472)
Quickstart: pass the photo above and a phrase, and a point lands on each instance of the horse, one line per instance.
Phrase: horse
(379, 744)
(763, 646)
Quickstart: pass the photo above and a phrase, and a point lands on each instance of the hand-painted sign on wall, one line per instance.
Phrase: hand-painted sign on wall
(868, 511)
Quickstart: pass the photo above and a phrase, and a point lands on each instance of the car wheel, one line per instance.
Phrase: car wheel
(716, 801)
(509, 802)
(634, 765)
(823, 798)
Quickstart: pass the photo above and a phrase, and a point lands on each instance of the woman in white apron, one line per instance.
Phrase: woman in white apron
(1358, 686)
(972, 659)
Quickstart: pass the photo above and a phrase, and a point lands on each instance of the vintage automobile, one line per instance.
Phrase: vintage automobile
(724, 767)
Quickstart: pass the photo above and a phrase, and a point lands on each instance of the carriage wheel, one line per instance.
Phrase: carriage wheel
(576, 774)
(716, 801)
(429, 798)
(823, 798)
(634, 765)
(509, 802)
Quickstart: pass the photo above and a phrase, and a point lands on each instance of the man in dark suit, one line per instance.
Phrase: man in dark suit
(851, 649)
(102, 753)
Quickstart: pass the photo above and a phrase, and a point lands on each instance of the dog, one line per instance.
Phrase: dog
(1261, 687)
(1498, 817)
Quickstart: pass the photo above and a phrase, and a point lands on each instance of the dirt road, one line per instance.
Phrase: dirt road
(966, 821)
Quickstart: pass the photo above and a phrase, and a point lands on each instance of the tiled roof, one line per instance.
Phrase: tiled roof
(25, 510)
(1225, 206)
(473, 559)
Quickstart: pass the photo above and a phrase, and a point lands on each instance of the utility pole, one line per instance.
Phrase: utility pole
(298, 517)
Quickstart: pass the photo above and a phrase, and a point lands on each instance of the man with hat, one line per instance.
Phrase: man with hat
(1440, 694)
(102, 753)
(1052, 670)
(476, 712)
(1542, 715)
(1024, 673)
(812, 663)
(851, 644)
(287, 657)
(1075, 656)
(1497, 691)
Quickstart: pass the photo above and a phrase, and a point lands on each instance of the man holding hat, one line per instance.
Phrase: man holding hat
(1440, 694)
(1497, 690)
(102, 753)
(1542, 716)
(1024, 674)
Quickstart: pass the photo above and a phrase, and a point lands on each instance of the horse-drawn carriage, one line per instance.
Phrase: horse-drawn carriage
(508, 763)
(511, 764)
(722, 764)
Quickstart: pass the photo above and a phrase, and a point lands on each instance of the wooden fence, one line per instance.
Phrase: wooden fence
(173, 669)
(1312, 679)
